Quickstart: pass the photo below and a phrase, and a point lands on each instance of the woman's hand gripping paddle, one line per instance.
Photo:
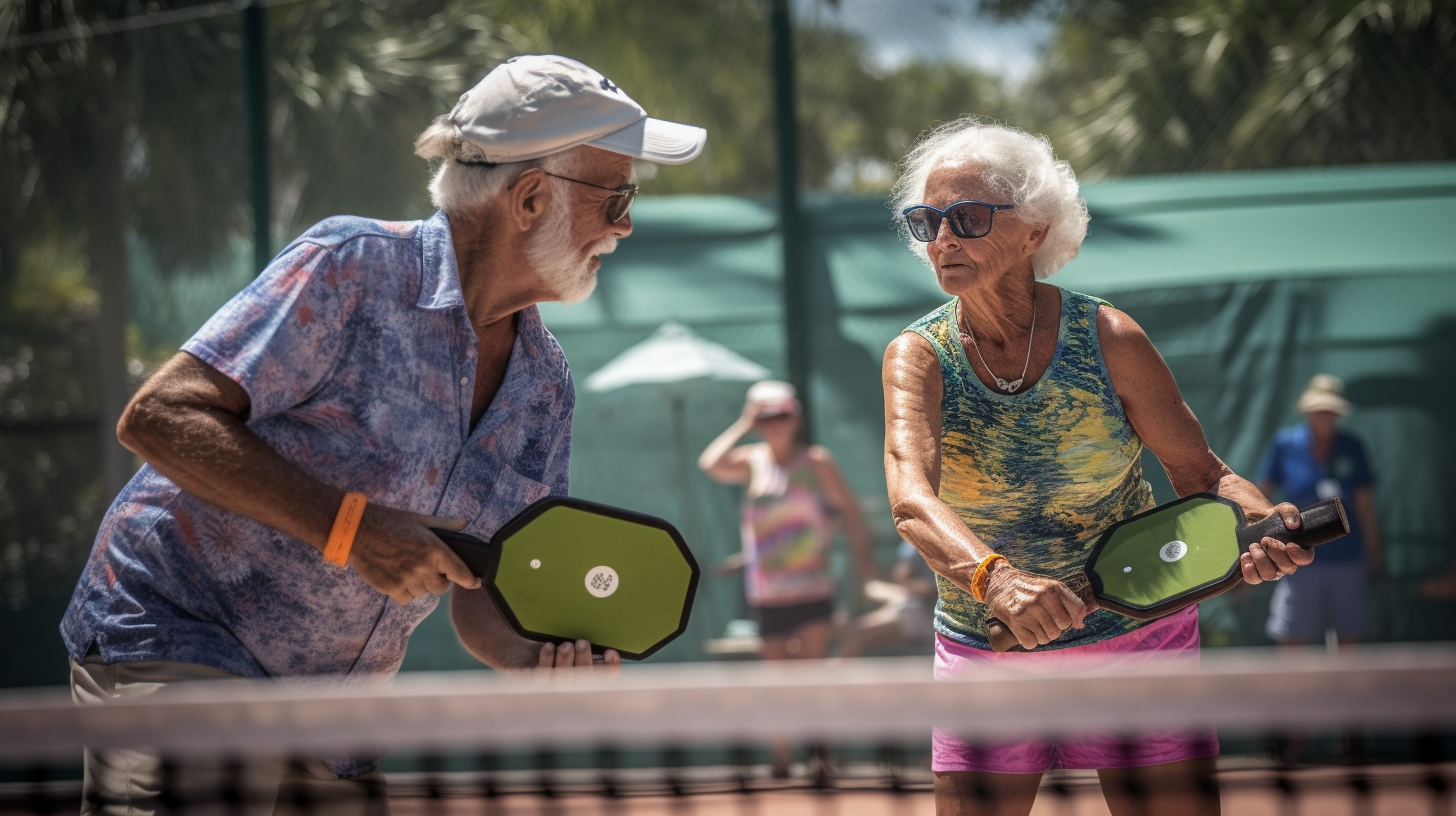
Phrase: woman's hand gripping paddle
(1175, 555)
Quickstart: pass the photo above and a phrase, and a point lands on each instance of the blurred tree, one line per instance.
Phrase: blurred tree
(139, 133)
(134, 140)
(708, 63)
(1143, 86)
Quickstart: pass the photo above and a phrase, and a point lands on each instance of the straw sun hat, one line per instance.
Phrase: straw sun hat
(1325, 392)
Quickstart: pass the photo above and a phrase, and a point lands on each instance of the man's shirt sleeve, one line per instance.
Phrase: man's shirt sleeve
(280, 337)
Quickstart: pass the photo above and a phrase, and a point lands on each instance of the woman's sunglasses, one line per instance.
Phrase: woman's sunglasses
(968, 219)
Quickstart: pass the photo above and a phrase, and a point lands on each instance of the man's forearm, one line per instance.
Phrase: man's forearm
(485, 634)
(208, 450)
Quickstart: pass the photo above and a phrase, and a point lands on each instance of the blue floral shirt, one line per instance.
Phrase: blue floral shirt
(357, 354)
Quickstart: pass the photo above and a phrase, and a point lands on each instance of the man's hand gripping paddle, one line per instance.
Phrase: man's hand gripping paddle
(1175, 555)
(565, 569)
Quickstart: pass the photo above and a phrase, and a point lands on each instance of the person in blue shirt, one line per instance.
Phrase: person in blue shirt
(1308, 463)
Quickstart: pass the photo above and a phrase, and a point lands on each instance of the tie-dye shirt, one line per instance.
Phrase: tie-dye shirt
(1039, 474)
(786, 532)
(356, 352)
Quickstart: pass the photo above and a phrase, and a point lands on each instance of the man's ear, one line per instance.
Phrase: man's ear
(530, 199)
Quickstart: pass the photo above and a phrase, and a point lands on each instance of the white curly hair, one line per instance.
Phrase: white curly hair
(1020, 166)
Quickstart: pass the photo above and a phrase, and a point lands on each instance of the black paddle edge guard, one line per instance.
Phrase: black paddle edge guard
(1320, 523)
(473, 551)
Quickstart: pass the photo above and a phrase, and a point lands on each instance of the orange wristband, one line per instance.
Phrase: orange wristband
(983, 576)
(346, 524)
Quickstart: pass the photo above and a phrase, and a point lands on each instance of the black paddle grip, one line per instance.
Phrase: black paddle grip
(477, 554)
(1318, 524)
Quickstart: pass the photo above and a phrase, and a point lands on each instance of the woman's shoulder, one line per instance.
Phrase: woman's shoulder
(940, 315)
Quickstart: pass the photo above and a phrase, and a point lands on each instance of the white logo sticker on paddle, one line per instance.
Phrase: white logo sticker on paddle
(1172, 551)
(601, 581)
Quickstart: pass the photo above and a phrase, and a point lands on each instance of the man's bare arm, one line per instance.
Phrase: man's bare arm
(189, 421)
(486, 635)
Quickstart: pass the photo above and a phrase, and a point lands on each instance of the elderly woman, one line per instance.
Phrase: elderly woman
(1016, 416)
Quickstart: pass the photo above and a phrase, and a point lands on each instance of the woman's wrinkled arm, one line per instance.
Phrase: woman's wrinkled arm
(1036, 608)
(1157, 411)
(913, 391)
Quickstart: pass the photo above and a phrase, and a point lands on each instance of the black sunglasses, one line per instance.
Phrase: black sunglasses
(968, 219)
(618, 205)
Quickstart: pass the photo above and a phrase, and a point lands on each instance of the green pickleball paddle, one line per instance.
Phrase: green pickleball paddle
(1177, 554)
(566, 569)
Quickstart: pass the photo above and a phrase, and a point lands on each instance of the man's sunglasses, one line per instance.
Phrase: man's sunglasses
(968, 219)
(617, 205)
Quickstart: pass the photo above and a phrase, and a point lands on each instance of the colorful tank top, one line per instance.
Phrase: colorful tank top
(786, 532)
(1038, 474)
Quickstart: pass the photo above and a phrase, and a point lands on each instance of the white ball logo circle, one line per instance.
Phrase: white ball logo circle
(1172, 551)
(601, 581)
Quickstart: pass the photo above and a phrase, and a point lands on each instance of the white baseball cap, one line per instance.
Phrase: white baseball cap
(533, 106)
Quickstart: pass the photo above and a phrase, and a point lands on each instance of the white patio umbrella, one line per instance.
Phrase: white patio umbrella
(673, 354)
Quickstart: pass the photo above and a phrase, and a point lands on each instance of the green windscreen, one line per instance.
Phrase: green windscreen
(1152, 559)
(572, 573)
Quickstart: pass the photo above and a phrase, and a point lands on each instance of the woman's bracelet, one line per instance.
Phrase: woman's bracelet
(346, 524)
(983, 576)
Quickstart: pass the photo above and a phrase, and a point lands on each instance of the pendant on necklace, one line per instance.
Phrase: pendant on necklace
(1008, 387)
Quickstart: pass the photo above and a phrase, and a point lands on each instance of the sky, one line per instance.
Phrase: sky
(899, 31)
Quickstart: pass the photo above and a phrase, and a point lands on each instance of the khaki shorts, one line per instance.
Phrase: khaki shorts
(129, 782)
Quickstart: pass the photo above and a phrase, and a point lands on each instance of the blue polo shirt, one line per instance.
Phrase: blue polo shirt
(358, 357)
(1291, 466)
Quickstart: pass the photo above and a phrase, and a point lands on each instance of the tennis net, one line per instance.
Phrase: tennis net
(1371, 730)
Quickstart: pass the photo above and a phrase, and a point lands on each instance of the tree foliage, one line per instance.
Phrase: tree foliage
(1175, 85)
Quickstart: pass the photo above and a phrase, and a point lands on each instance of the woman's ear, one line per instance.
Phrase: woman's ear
(1035, 239)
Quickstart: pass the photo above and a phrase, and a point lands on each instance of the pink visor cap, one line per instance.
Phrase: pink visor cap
(533, 106)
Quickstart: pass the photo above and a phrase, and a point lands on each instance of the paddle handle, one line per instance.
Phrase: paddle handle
(999, 634)
(1318, 524)
(475, 552)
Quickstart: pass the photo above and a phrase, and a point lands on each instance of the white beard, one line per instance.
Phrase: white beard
(551, 252)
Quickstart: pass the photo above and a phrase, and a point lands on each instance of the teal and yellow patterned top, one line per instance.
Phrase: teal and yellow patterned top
(1039, 474)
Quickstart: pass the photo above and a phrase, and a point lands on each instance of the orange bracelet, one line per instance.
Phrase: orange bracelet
(983, 576)
(346, 524)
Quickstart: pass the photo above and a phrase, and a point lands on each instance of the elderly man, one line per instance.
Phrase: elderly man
(377, 380)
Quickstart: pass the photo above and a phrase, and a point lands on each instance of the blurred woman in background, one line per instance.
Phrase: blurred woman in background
(795, 495)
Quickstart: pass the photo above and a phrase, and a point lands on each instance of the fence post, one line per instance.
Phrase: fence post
(255, 93)
(797, 320)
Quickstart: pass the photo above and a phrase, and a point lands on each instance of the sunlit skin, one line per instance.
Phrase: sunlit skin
(995, 282)
(189, 420)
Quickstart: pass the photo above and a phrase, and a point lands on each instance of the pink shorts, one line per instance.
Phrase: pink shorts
(1175, 634)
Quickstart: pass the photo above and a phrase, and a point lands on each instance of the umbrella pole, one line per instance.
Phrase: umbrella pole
(684, 467)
